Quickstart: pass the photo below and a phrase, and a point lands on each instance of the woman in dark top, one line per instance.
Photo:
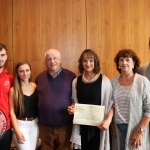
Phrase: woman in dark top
(23, 101)
(90, 87)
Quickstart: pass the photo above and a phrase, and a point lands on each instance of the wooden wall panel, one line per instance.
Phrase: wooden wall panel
(102, 28)
(6, 30)
(114, 25)
(137, 27)
(27, 35)
(109, 28)
(146, 50)
(33, 26)
(41, 25)
(120, 30)
(140, 29)
(78, 34)
(64, 29)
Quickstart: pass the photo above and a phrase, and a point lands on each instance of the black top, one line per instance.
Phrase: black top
(89, 93)
(30, 105)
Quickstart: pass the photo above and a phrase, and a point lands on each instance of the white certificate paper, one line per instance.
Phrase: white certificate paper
(86, 114)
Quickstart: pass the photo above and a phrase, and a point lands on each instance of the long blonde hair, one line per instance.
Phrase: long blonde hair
(18, 93)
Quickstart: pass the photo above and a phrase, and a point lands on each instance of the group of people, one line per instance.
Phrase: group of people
(46, 108)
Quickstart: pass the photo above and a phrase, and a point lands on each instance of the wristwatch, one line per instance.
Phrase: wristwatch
(142, 129)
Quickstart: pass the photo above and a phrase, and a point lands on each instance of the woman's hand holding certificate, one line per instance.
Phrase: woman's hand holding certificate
(88, 114)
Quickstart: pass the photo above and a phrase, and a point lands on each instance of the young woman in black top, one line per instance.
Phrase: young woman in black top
(23, 101)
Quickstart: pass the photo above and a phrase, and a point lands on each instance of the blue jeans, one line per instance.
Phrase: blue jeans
(123, 133)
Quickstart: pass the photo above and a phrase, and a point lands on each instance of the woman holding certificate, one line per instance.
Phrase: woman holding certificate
(131, 103)
(92, 88)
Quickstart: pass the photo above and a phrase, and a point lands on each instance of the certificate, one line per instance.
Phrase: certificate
(86, 114)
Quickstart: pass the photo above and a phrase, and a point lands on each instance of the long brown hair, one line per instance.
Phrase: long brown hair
(18, 93)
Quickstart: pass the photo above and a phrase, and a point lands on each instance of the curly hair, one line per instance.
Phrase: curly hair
(126, 53)
(89, 54)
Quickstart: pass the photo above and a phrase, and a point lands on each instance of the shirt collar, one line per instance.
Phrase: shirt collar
(59, 71)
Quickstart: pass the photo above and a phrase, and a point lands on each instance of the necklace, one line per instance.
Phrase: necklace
(89, 81)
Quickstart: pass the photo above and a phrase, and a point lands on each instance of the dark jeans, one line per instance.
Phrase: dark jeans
(123, 132)
(5, 141)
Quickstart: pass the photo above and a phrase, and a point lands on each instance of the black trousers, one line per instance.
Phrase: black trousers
(93, 143)
(5, 140)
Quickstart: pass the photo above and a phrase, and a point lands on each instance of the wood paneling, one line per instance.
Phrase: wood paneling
(70, 26)
(114, 25)
(140, 30)
(64, 29)
(146, 27)
(137, 27)
(27, 33)
(6, 30)
(41, 25)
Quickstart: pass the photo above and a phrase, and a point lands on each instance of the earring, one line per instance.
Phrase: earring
(119, 67)
(133, 67)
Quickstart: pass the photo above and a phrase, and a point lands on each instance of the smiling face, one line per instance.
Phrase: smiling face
(88, 64)
(24, 72)
(3, 57)
(53, 60)
(126, 64)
